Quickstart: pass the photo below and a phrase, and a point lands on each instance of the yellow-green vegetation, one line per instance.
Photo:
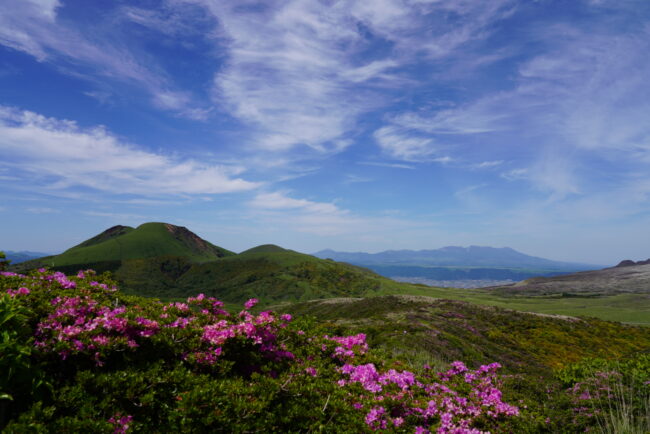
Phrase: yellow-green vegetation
(444, 330)
(627, 308)
(554, 361)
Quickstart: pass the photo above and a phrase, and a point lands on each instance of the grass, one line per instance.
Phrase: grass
(424, 328)
(621, 415)
(148, 240)
(626, 308)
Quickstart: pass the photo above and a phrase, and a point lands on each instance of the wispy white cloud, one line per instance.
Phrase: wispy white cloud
(555, 174)
(116, 216)
(280, 201)
(583, 97)
(354, 179)
(43, 210)
(319, 218)
(515, 174)
(33, 27)
(103, 97)
(280, 211)
(386, 164)
(299, 48)
(172, 19)
(320, 70)
(65, 155)
(403, 146)
(486, 164)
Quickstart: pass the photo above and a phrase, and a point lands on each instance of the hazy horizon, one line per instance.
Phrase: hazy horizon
(351, 125)
(56, 252)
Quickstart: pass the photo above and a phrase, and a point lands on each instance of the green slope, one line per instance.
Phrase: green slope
(147, 241)
(167, 261)
(108, 234)
(275, 276)
(264, 248)
(438, 331)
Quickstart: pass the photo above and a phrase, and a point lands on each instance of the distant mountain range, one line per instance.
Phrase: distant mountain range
(22, 256)
(453, 256)
(168, 261)
(451, 264)
(171, 262)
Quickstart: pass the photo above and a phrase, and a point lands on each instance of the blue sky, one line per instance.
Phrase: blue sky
(353, 125)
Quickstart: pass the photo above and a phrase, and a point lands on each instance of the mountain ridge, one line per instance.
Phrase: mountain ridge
(164, 260)
(471, 256)
(17, 257)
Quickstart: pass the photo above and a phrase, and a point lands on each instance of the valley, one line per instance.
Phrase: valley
(171, 262)
(547, 335)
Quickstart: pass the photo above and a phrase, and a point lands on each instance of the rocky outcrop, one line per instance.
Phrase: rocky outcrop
(630, 263)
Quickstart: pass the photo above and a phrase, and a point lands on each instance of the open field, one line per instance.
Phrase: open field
(627, 308)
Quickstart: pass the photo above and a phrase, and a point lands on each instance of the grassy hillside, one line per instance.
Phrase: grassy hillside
(147, 241)
(264, 248)
(437, 331)
(289, 276)
(167, 261)
(271, 276)
(627, 308)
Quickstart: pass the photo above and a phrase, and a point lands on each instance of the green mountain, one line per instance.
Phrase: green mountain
(271, 275)
(108, 250)
(167, 261)
(264, 248)
(147, 241)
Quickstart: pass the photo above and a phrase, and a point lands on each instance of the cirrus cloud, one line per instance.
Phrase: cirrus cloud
(60, 155)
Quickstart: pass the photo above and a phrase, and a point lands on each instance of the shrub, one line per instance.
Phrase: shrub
(123, 363)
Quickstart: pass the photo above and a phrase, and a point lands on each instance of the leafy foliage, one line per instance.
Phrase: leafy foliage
(21, 378)
(614, 395)
(78, 354)
(544, 355)
(4, 263)
(117, 362)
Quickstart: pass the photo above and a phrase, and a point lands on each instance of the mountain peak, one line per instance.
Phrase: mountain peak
(108, 234)
(184, 235)
(148, 240)
(264, 248)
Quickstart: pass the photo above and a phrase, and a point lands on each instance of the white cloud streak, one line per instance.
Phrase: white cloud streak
(318, 218)
(279, 201)
(584, 97)
(63, 155)
(320, 72)
(32, 26)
